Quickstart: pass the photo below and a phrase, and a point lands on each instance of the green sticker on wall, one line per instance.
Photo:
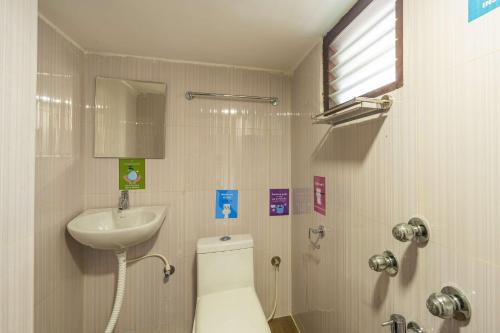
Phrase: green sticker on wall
(132, 174)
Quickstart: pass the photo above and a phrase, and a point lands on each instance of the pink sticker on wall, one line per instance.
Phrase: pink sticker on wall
(319, 189)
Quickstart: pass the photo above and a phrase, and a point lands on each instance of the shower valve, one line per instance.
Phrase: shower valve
(416, 229)
(385, 262)
(449, 303)
(413, 327)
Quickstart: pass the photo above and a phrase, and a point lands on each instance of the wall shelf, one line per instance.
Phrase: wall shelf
(356, 108)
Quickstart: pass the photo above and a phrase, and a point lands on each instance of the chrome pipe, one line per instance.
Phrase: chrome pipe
(192, 94)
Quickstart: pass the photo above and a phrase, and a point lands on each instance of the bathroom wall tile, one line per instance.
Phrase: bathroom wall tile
(279, 155)
(206, 157)
(174, 162)
(475, 40)
(18, 34)
(249, 154)
(433, 155)
(210, 144)
(59, 184)
(361, 202)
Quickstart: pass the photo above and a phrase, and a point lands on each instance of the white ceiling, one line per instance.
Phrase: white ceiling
(270, 34)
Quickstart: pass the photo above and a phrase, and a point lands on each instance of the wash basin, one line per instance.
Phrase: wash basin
(113, 229)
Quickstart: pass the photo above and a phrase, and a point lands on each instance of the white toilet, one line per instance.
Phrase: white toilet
(227, 302)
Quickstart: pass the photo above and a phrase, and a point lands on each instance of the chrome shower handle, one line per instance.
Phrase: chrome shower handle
(413, 327)
(417, 229)
(385, 262)
(449, 303)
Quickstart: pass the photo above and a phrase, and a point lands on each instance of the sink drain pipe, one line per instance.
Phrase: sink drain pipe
(120, 290)
(275, 261)
(168, 270)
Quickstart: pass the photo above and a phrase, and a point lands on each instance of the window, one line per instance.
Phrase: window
(363, 53)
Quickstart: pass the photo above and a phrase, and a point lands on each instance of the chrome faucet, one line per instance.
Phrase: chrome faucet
(397, 323)
(124, 201)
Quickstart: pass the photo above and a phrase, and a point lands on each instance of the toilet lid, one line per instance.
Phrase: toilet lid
(231, 311)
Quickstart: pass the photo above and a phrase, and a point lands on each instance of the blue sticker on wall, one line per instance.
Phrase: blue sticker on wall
(226, 204)
(478, 8)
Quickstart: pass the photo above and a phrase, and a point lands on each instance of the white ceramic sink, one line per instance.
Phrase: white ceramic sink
(112, 229)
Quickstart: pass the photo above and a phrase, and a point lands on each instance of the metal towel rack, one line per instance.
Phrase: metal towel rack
(356, 108)
(192, 94)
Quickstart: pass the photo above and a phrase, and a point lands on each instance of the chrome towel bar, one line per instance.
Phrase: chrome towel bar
(192, 94)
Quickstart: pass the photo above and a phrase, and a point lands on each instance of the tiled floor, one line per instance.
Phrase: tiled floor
(283, 325)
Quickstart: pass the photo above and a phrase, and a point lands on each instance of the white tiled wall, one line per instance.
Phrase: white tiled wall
(59, 184)
(211, 144)
(18, 32)
(435, 155)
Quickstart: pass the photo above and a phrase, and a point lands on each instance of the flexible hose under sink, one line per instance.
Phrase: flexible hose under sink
(120, 290)
(271, 316)
(168, 270)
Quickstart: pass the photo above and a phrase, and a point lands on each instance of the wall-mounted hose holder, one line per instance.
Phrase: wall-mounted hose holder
(320, 234)
(276, 261)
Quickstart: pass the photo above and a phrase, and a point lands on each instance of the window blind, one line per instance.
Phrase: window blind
(362, 58)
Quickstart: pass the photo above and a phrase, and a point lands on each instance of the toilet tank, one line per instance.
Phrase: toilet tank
(224, 263)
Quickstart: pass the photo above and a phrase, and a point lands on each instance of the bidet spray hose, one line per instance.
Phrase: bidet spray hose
(275, 261)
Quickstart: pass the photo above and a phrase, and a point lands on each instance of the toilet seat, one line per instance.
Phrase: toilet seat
(236, 310)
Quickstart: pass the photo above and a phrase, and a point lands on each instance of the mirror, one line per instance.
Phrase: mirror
(129, 118)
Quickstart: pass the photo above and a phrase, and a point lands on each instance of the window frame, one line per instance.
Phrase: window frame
(344, 22)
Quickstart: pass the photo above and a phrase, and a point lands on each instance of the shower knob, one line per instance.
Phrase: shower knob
(385, 262)
(441, 305)
(416, 229)
(449, 303)
(413, 327)
(378, 263)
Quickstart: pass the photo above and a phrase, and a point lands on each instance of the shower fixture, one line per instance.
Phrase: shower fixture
(413, 327)
(449, 303)
(384, 263)
(398, 325)
(417, 229)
